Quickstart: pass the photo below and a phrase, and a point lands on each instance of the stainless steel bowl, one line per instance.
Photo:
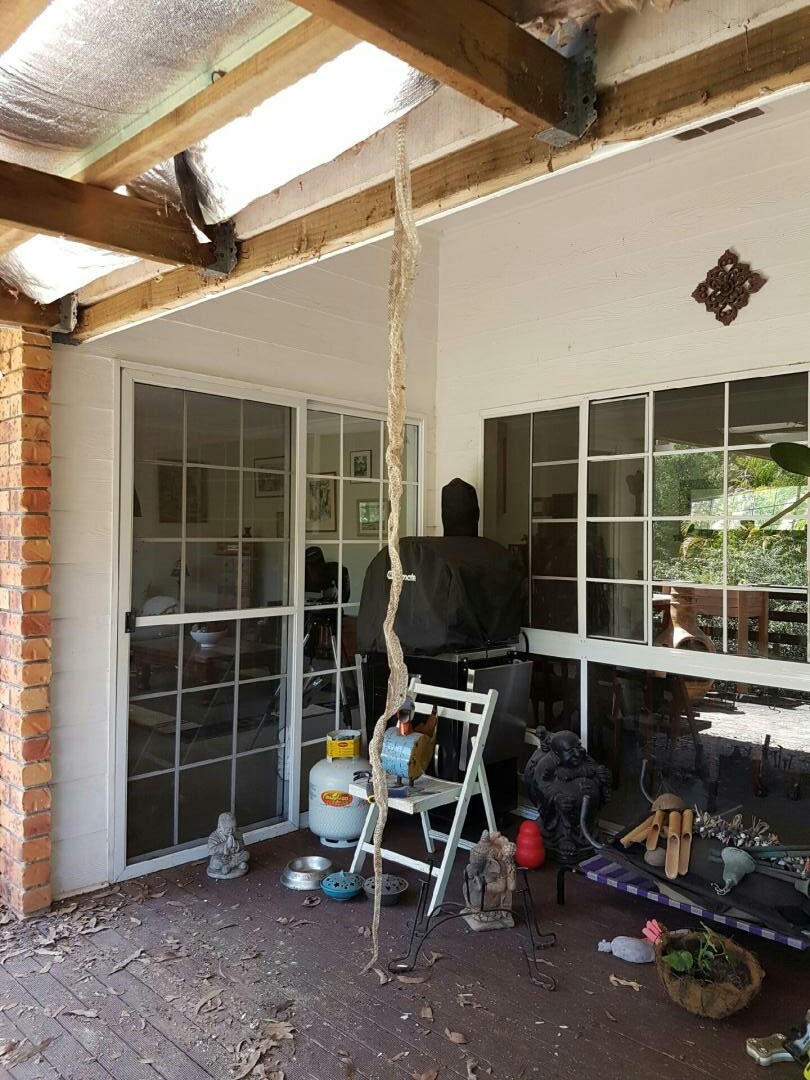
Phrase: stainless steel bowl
(306, 872)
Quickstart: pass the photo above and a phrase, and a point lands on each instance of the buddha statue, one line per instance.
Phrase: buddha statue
(227, 856)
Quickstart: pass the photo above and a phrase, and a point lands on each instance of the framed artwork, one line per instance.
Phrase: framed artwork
(322, 504)
(170, 495)
(368, 517)
(268, 485)
(360, 464)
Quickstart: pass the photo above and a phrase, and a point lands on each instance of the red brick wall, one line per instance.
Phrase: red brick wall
(25, 621)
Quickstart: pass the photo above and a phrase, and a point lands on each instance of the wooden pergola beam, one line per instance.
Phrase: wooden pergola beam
(278, 65)
(721, 77)
(465, 44)
(17, 309)
(54, 206)
(15, 17)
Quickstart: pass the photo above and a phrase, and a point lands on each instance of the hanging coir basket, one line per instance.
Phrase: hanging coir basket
(737, 983)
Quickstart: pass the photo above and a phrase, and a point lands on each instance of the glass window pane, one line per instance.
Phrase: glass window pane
(261, 719)
(689, 416)
(688, 551)
(687, 618)
(158, 423)
(768, 410)
(260, 793)
(320, 639)
(766, 622)
(208, 653)
(212, 503)
(153, 660)
(362, 511)
(322, 575)
(262, 648)
(319, 698)
(206, 724)
(157, 500)
(267, 436)
(757, 490)
(615, 611)
(616, 550)
(265, 505)
(507, 447)
(554, 605)
(152, 726)
(616, 488)
(617, 427)
(213, 429)
(556, 693)
(150, 815)
(265, 574)
(155, 577)
(362, 441)
(323, 442)
(688, 485)
(555, 435)
(310, 755)
(356, 560)
(348, 634)
(321, 506)
(212, 571)
(205, 793)
(349, 712)
(554, 491)
(554, 549)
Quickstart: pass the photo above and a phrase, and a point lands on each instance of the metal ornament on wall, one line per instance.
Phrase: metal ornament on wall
(727, 287)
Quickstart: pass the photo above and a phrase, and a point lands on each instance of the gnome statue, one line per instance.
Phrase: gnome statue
(227, 857)
(489, 883)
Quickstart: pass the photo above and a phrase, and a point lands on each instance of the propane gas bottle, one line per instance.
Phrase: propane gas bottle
(334, 815)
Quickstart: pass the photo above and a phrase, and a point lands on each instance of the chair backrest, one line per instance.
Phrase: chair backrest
(470, 707)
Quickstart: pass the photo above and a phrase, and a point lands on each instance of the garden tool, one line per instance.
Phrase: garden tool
(775, 1048)
(736, 865)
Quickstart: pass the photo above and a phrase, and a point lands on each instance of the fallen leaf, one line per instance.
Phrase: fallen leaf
(455, 1037)
(398, 1057)
(413, 979)
(249, 1065)
(610, 1016)
(206, 998)
(432, 957)
(381, 975)
(311, 901)
(426, 1013)
(364, 931)
(616, 981)
(130, 959)
(428, 1074)
(23, 1053)
(472, 1069)
(91, 1014)
(278, 1030)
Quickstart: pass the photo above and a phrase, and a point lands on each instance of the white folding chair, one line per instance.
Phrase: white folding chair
(430, 792)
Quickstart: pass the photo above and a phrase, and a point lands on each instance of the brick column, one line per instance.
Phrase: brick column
(25, 621)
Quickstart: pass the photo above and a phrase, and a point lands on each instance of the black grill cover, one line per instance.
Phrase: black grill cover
(467, 595)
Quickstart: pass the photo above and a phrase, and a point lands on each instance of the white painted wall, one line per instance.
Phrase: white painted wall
(582, 283)
(321, 332)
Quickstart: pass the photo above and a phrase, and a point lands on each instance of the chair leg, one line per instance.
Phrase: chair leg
(486, 797)
(365, 838)
(451, 847)
(431, 847)
(561, 885)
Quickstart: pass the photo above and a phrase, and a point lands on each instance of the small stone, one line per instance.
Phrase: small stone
(656, 857)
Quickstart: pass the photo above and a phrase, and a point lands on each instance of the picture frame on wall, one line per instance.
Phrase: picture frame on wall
(321, 504)
(368, 517)
(360, 464)
(268, 485)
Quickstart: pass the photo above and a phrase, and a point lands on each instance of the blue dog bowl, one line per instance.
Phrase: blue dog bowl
(342, 886)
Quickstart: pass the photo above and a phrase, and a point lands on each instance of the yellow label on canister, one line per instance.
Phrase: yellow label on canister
(343, 745)
(336, 798)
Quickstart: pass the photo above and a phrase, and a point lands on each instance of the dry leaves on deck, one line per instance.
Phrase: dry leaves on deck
(455, 1037)
(381, 975)
(616, 981)
(311, 901)
(423, 976)
(428, 1074)
(426, 1013)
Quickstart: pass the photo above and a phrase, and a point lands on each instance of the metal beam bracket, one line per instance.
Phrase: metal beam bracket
(578, 46)
(62, 332)
(225, 249)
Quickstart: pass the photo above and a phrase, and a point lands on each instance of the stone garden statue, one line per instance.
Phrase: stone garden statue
(559, 775)
(227, 856)
(489, 883)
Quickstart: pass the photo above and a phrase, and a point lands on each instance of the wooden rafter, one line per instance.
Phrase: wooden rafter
(43, 203)
(278, 65)
(465, 44)
(15, 17)
(723, 76)
(16, 309)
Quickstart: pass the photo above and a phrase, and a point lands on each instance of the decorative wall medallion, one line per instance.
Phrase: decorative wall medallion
(727, 287)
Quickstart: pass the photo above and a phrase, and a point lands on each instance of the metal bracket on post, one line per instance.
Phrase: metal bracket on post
(62, 332)
(579, 48)
(225, 248)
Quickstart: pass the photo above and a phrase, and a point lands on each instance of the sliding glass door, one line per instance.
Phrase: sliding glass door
(208, 497)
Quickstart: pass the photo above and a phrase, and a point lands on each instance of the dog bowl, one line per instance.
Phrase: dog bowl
(393, 889)
(342, 886)
(306, 872)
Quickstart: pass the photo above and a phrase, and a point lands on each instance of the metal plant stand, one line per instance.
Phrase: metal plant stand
(424, 924)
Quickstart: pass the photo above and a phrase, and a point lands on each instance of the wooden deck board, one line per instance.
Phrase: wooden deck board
(201, 935)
